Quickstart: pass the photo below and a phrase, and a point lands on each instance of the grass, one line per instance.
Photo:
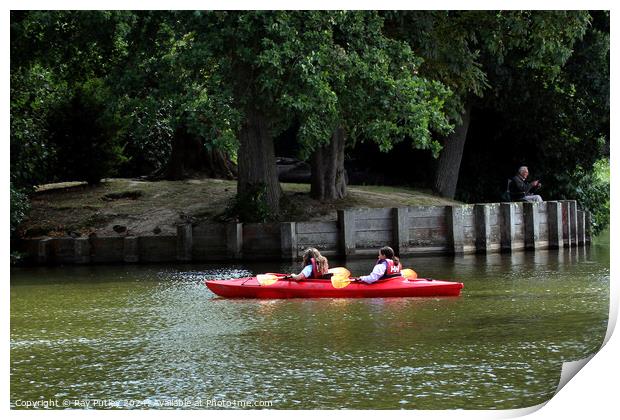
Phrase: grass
(143, 206)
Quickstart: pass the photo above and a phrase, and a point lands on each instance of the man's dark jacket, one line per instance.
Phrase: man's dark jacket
(519, 188)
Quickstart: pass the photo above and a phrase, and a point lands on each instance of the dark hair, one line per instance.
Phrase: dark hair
(389, 253)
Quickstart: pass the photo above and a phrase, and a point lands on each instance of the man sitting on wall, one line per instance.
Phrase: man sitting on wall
(521, 189)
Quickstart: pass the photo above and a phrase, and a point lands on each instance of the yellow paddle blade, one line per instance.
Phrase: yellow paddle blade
(340, 272)
(266, 279)
(340, 281)
(409, 274)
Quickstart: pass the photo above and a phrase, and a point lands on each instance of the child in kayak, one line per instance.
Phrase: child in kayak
(388, 265)
(315, 265)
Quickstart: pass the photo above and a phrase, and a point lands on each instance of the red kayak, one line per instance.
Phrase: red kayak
(248, 287)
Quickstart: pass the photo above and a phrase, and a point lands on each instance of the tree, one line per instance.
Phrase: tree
(559, 127)
(56, 59)
(333, 72)
(252, 55)
(463, 48)
(377, 95)
(181, 123)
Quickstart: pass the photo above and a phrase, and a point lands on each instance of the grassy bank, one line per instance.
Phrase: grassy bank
(142, 207)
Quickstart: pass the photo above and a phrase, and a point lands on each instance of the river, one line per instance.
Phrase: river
(153, 336)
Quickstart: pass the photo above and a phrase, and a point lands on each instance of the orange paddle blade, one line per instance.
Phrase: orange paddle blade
(340, 281)
(339, 271)
(266, 279)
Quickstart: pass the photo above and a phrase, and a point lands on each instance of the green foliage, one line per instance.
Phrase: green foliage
(169, 81)
(466, 50)
(149, 132)
(203, 70)
(538, 83)
(252, 59)
(33, 93)
(590, 187)
(349, 75)
(75, 44)
(448, 43)
(542, 40)
(558, 126)
(249, 207)
(20, 204)
(592, 193)
(324, 69)
(89, 87)
(59, 58)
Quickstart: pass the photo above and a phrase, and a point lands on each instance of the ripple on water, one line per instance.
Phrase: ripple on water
(165, 335)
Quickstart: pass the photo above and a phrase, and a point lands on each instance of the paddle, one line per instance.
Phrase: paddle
(269, 279)
(339, 271)
(341, 281)
(341, 274)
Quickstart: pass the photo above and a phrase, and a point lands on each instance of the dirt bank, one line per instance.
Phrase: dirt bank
(129, 206)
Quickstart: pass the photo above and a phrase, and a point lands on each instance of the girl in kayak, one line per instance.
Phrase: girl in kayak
(388, 265)
(315, 265)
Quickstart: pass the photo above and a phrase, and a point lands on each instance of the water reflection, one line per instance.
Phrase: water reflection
(156, 332)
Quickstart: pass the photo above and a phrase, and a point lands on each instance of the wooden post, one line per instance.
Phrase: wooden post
(482, 223)
(531, 228)
(554, 219)
(507, 228)
(184, 242)
(573, 222)
(455, 228)
(288, 240)
(346, 226)
(588, 227)
(234, 240)
(400, 229)
(566, 223)
(81, 250)
(581, 227)
(130, 249)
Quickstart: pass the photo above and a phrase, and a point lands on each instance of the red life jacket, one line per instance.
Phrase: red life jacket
(391, 270)
(316, 274)
(315, 269)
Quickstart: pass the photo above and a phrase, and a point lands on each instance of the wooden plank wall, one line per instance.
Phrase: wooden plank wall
(261, 241)
(373, 229)
(320, 235)
(428, 230)
(209, 242)
(419, 230)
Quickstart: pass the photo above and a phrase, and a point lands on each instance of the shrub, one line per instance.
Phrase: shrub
(249, 207)
(593, 194)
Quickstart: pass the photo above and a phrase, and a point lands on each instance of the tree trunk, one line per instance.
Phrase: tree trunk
(328, 180)
(257, 161)
(189, 157)
(447, 172)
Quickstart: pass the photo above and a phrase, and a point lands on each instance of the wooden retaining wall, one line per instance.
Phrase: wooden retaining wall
(420, 230)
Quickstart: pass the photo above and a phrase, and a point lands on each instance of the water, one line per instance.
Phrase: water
(146, 336)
